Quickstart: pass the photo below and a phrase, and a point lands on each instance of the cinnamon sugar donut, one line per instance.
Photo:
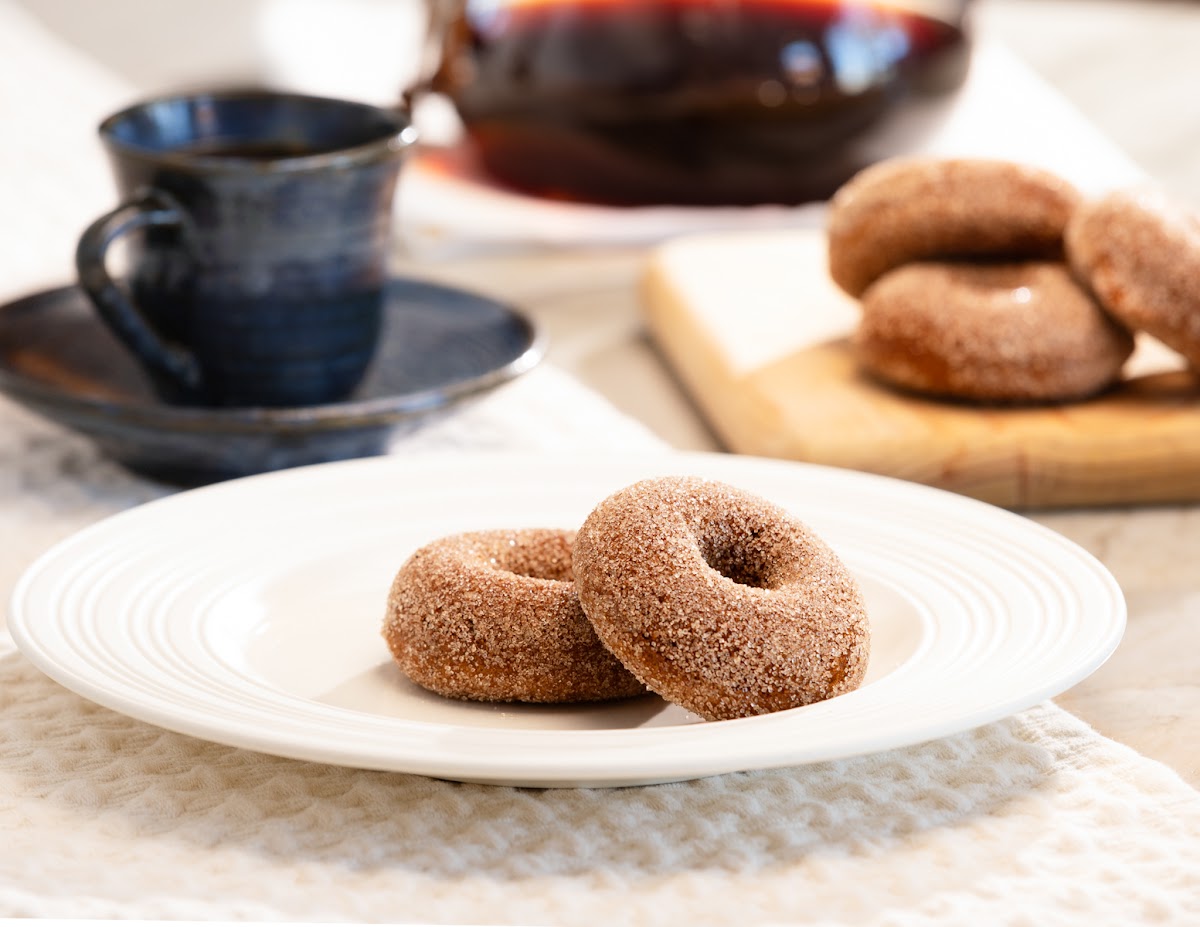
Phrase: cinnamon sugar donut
(994, 332)
(493, 616)
(1140, 255)
(719, 600)
(910, 209)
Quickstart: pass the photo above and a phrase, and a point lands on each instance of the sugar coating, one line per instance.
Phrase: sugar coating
(910, 209)
(494, 616)
(993, 332)
(718, 600)
(1140, 254)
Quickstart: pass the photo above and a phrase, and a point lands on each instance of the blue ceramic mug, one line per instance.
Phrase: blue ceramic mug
(263, 224)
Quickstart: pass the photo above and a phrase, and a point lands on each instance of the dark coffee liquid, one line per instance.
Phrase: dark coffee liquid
(690, 101)
(253, 151)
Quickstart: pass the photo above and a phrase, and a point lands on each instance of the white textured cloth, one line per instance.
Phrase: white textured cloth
(1035, 820)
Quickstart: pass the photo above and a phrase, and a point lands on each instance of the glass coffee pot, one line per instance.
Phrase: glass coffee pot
(693, 101)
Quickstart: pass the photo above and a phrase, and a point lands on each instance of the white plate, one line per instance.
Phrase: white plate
(248, 613)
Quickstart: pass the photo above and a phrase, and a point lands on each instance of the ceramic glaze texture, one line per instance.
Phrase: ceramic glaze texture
(271, 258)
(439, 347)
(268, 262)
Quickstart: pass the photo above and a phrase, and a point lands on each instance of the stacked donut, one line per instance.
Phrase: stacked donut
(710, 596)
(996, 282)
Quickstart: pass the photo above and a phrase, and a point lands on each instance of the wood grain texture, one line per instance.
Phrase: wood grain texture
(800, 400)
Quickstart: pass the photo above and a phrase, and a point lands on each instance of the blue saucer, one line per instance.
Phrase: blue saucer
(439, 347)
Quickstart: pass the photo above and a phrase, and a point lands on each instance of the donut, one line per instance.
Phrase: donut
(1140, 255)
(718, 600)
(911, 209)
(1022, 332)
(494, 616)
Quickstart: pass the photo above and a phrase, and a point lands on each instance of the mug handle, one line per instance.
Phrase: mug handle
(169, 361)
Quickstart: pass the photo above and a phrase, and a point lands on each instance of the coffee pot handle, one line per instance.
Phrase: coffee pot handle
(164, 359)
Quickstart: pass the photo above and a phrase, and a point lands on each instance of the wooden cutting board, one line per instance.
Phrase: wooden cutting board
(758, 334)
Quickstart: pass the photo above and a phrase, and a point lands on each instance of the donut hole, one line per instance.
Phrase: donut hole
(740, 557)
(546, 558)
(538, 570)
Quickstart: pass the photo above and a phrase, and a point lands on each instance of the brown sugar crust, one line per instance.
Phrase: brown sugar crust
(994, 332)
(494, 616)
(911, 209)
(719, 600)
(1140, 255)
